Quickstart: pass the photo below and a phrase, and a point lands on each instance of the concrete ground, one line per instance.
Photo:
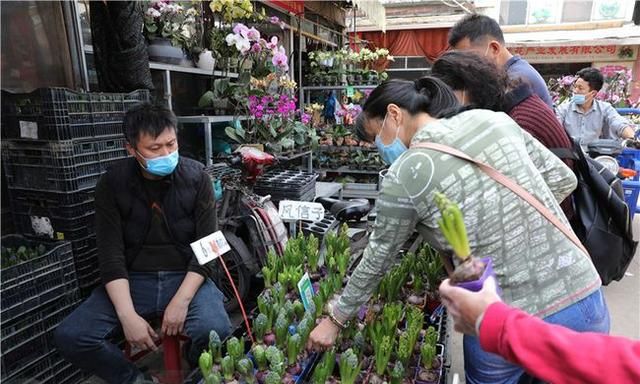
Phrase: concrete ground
(623, 299)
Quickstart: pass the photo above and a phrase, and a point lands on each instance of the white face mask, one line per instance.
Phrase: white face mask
(464, 97)
(487, 50)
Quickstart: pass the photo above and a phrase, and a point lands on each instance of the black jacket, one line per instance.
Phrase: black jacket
(123, 214)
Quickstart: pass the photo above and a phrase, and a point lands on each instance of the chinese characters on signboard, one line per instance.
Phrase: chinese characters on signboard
(587, 53)
(300, 210)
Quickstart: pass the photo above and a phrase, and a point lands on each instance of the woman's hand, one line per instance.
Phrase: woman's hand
(323, 336)
(467, 308)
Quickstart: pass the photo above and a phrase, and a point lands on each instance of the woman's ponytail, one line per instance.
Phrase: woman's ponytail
(426, 95)
(436, 96)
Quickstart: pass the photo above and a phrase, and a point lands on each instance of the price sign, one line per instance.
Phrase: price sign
(210, 247)
(306, 291)
(290, 210)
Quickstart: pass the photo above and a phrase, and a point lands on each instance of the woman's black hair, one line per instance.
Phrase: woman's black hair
(425, 95)
(484, 84)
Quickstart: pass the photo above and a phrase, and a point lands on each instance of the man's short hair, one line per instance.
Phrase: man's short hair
(593, 77)
(149, 119)
(475, 27)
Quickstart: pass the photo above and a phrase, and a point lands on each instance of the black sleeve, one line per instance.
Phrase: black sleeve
(111, 255)
(206, 218)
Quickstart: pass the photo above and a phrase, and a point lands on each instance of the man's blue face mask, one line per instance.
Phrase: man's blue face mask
(578, 98)
(163, 165)
(392, 151)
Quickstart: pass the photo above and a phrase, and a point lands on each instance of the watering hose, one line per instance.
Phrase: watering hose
(235, 291)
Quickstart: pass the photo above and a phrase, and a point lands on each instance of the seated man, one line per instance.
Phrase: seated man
(149, 208)
(587, 119)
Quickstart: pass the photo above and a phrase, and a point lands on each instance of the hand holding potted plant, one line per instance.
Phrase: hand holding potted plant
(471, 272)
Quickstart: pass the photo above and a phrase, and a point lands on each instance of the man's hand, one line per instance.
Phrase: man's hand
(138, 332)
(323, 336)
(628, 133)
(467, 308)
(174, 316)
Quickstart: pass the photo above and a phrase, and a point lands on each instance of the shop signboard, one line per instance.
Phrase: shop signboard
(577, 54)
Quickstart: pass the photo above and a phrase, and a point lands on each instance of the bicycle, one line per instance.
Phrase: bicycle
(249, 222)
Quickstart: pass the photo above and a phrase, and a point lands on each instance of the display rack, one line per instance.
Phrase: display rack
(306, 91)
(206, 122)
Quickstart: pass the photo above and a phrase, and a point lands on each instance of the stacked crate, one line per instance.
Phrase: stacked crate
(56, 144)
(35, 295)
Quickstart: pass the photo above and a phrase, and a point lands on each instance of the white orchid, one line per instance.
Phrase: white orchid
(242, 44)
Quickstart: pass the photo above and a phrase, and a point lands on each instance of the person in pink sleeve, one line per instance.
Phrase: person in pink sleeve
(550, 352)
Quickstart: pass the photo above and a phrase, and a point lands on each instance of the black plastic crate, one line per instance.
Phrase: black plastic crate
(33, 369)
(76, 178)
(85, 261)
(51, 198)
(68, 374)
(320, 228)
(33, 323)
(45, 225)
(63, 114)
(62, 154)
(288, 181)
(27, 206)
(15, 358)
(56, 252)
(82, 246)
(52, 179)
(37, 293)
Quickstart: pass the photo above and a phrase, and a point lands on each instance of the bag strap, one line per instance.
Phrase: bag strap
(564, 153)
(513, 186)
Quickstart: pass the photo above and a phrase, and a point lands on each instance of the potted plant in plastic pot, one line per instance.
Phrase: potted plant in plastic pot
(170, 29)
(471, 272)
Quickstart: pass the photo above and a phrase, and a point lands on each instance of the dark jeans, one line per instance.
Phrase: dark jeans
(83, 338)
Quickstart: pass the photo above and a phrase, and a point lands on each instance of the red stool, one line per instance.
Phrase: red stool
(172, 357)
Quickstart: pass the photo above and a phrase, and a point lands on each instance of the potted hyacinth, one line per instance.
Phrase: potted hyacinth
(171, 30)
(471, 272)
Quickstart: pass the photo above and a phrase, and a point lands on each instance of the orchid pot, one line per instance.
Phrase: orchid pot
(206, 60)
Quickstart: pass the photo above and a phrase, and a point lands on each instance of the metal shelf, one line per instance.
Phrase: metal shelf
(336, 87)
(202, 119)
(345, 148)
(192, 70)
(346, 169)
(206, 122)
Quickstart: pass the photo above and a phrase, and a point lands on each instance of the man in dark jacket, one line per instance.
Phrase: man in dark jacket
(149, 208)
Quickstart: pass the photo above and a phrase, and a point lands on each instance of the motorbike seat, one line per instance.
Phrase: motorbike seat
(346, 210)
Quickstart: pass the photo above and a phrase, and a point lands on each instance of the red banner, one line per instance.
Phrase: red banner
(295, 7)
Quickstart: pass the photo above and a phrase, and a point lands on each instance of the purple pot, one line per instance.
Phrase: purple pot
(476, 285)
